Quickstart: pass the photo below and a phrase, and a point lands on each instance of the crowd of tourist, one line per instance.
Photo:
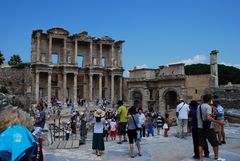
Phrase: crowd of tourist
(204, 121)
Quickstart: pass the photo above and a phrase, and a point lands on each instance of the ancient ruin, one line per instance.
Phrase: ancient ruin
(75, 66)
(159, 89)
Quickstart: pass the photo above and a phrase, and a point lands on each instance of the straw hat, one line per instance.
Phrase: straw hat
(99, 113)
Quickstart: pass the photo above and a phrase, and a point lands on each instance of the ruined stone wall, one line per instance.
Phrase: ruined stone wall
(143, 73)
(174, 69)
(196, 86)
(228, 95)
(17, 82)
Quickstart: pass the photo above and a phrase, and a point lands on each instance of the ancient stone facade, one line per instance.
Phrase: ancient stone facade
(159, 89)
(75, 66)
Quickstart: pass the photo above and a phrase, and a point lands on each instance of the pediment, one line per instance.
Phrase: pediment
(58, 31)
(81, 36)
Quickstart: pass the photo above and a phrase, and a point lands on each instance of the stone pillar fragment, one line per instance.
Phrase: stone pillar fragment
(112, 87)
(64, 86)
(120, 88)
(120, 56)
(90, 86)
(38, 46)
(100, 57)
(50, 50)
(75, 52)
(100, 86)
(90, 54)
(37, 87)
(75, 88)
(49, 87)
(112, 55)
(64, 51)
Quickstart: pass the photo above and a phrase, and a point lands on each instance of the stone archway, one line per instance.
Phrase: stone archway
(170, 97)
(137, 99)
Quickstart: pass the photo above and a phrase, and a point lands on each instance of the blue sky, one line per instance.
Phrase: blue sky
(157, 32)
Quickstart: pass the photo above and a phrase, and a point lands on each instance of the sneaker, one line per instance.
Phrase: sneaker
(223, 142)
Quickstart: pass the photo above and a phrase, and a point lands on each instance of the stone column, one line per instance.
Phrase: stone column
(112, 87)
(38, 46)
(112, 55)
(100, 87)
(100, 61)
(65, 51)
(85, 87)
(50, 50)
(120, 88)
(106, 87)
(64, 86)
(90, 54)
(37, 87)
(120, 56)
(49, 87)
(75, 53)
(90, 86)
(75, 88)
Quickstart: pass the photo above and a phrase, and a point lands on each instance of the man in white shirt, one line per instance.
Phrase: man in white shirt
(142, 119)
(182, 116)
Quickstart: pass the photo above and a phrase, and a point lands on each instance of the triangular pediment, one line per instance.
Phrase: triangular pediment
(58, 31)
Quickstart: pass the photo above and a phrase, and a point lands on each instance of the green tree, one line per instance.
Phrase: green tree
(225, 73)
(15, 60)
(1, 58)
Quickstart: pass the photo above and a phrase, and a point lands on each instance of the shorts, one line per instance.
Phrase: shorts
(132, 135)
(113, 134)
(208, 134)
(182, 125)
(122, 128)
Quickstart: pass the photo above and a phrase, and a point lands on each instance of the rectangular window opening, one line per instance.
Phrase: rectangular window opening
(54, 58)
(80, 61)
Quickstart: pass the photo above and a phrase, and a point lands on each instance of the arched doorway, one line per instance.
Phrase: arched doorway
(170, 100)
(137, 99)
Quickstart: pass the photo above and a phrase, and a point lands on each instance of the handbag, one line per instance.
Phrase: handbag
(205, 123)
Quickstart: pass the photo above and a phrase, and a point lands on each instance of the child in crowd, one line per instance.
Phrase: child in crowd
(166, 125)
(68, 130)
(106, 130)
(150, 125)
(160, 123)
(113, 129)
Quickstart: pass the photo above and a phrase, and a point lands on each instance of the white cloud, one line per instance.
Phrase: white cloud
(229, 64)
(195, 60)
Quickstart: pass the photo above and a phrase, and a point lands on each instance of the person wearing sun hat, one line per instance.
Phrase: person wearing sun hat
(98, 140)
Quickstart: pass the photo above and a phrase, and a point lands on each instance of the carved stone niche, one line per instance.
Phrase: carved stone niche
(43, 57)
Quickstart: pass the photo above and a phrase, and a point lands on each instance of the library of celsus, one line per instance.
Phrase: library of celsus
(75, 66)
